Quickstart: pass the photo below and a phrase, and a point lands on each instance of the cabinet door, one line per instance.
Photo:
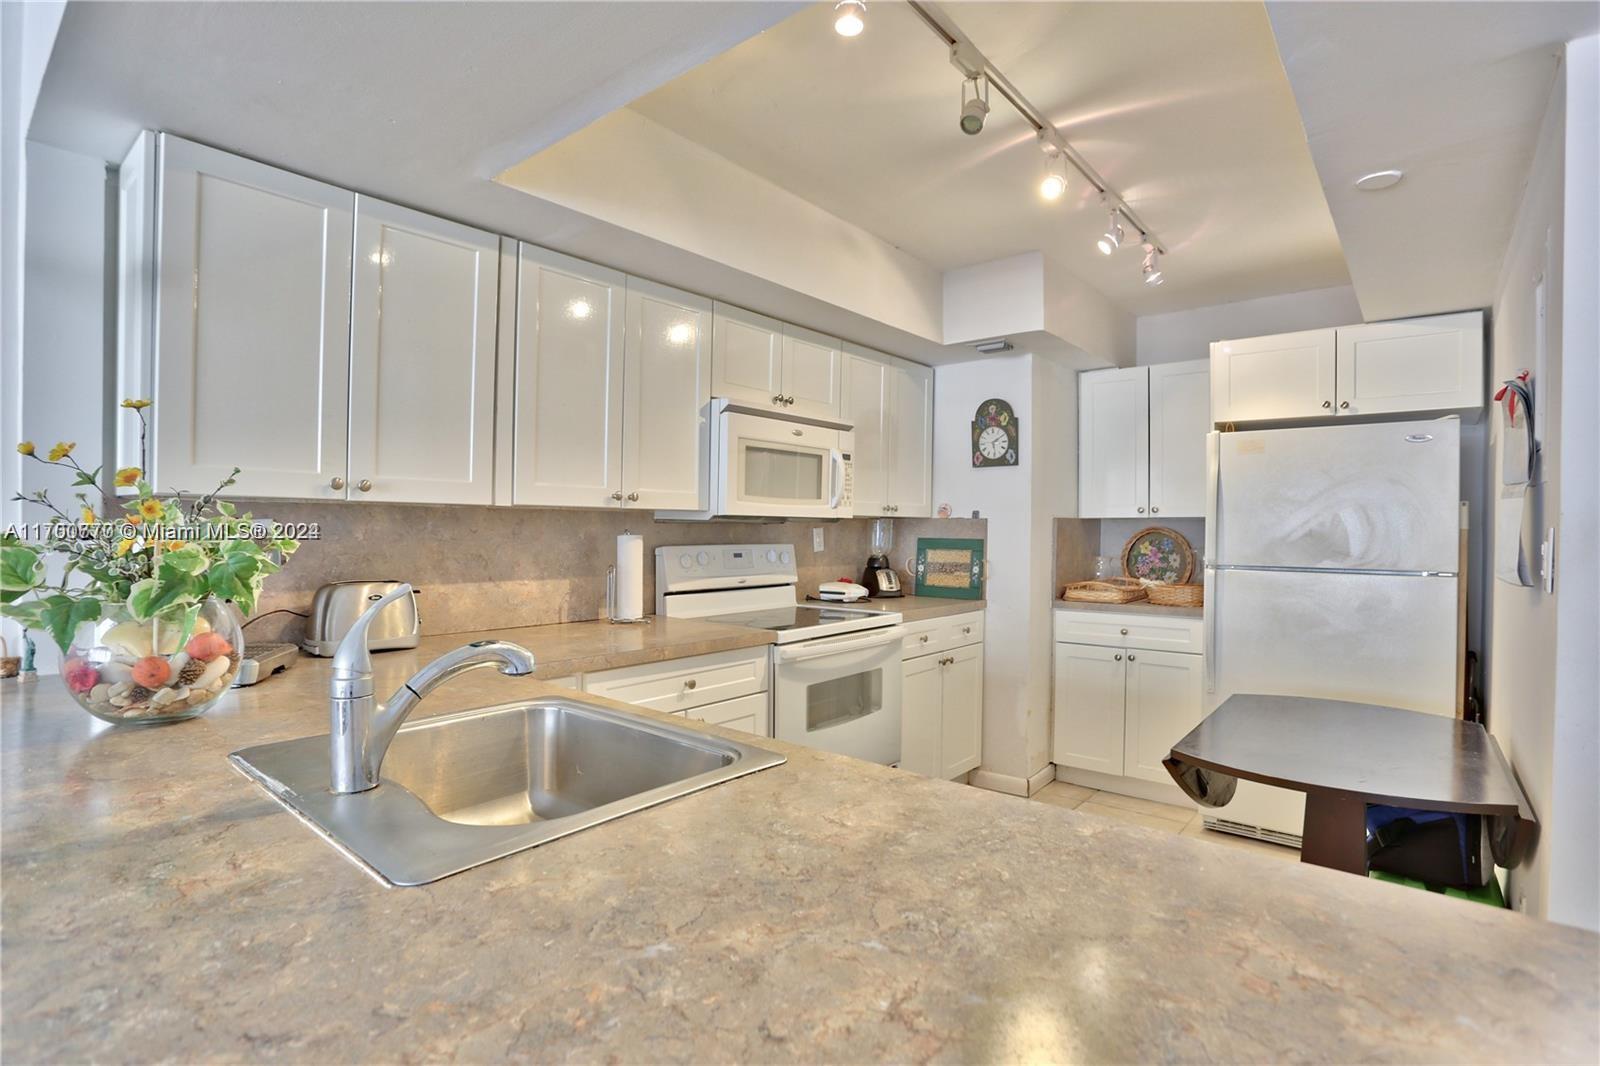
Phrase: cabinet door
(1163, 704)
(909, 430)
(1266, 378)
(422, 345)
(1089, 707)
(812, 373)
(252, 327)
(746, 356)
(1415, 366)
(666, 391)
(865, 403)
(1180, 418)
(567, 436)
(921, 715)
(961, 738)
(1113, 443)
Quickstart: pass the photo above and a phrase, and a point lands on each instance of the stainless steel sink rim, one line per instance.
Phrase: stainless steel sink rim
(395, 836)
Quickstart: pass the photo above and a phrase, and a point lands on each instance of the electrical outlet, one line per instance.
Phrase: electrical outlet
(816, 538)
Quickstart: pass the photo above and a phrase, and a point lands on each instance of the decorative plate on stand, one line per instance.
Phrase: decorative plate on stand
(1157, 553)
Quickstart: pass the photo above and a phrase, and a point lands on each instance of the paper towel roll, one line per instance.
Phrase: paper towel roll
(630, 576)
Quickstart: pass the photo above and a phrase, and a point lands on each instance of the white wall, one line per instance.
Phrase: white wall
(1020, 503)
(64, 376)
(1183, 335)
(1541, 672)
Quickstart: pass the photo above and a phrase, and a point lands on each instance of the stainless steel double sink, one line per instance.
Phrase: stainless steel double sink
(460, 790)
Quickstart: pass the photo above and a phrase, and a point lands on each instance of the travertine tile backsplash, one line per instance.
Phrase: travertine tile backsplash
(488, 567)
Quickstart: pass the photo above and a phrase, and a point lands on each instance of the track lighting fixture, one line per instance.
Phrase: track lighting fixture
(975, 109)
(849, 17)
(1111, 239)
(1152, 265)
(1055, 169)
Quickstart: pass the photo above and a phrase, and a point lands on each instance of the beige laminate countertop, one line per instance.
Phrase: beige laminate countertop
(583, 647)
(1136, 607)
(918, 608)
(159, 905)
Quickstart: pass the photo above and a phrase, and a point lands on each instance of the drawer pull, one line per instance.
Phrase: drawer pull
(1124, 632)
(923, 638)
(689, 684)
(967, 630)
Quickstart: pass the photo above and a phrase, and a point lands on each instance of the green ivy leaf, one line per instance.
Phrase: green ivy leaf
(156, 595)
(62, 614)
(237, 577)
(29, 613)
(189, 559)
(21, 570)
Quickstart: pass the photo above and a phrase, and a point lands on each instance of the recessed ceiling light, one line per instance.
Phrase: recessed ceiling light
(849, 17)
(1381, 179)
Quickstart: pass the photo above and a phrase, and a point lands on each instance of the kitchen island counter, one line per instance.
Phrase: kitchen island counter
(159, 905)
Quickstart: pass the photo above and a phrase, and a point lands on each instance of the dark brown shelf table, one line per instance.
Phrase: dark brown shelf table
(1344, 756)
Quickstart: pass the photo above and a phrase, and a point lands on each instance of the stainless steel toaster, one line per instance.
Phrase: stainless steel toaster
(336, 607)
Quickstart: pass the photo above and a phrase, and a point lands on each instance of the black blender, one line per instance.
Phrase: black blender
(880, 578)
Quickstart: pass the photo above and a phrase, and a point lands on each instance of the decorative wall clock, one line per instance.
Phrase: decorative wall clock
(995, 438)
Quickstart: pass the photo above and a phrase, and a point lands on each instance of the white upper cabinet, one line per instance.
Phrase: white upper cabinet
(666, 432)
(890, 403)
(1180, 418)
(746, 356)
(252, 327)
(1413, 366)
(422, 354)
(1114, 443)
(812, 373)
(567, 420)
(1416, 365)
(1287, 376)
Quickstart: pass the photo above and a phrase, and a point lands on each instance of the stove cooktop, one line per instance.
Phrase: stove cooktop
(800, 620)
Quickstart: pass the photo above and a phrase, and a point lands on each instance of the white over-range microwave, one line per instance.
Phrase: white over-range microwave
(776, 466)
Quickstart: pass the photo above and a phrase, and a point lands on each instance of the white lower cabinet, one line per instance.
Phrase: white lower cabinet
(1119, 707)
(728, 688)
(941, 699)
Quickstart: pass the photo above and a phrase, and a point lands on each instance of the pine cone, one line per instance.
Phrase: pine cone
(190, 673)
(139, 694)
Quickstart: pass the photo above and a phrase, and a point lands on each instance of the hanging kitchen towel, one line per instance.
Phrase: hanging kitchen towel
(1518, 451)
(1510, 560)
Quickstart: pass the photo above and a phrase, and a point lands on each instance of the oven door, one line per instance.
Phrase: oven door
(768, 467)
(841, 694)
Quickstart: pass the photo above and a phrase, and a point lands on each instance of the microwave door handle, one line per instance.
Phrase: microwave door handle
(835, 478)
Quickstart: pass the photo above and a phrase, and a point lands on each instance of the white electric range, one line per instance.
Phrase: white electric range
(835, 668)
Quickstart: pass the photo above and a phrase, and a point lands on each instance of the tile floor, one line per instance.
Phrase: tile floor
(1152, 815)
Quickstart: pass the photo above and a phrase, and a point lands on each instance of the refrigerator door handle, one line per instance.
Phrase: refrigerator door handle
(1213, 492)
(1209, 626)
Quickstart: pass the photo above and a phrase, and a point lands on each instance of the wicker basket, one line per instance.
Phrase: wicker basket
(1108, 590)
(1186, 595)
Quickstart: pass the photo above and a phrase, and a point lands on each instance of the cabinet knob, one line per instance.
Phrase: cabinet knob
(966, 629)
(617, 495)
(689, 684)
(1124, 632)
(788, 401)
(923, 638)
(1118, 656)
(633, 497)
(1154, 509)
(364, 485)
(337, 483)
(1327, 403)
(1141, 510)
(1345, 406)
(777, 401)
(1130, 656)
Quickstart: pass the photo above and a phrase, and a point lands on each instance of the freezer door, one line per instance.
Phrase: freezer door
(1367, 638)
(1369, 497)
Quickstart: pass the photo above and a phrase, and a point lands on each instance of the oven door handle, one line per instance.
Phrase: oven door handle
(816, 649)
(835, 478)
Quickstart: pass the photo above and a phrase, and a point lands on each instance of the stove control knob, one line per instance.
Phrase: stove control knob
(704, 558)
(783, 557)
(685, 560)
(772, 555)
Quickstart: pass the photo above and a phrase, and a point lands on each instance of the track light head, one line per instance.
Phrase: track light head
(1152, 266)
(1052, 186)
(849, 17)
(975, 109)
(1111, 239)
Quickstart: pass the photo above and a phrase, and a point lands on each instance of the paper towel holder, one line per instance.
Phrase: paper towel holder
(611, 602)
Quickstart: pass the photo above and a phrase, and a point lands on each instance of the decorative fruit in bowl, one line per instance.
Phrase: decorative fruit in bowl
(165, 669)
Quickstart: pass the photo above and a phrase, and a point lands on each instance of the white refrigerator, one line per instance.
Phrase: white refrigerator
(1331, 567)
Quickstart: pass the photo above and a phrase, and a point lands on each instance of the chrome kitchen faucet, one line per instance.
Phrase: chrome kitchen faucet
(360, 728)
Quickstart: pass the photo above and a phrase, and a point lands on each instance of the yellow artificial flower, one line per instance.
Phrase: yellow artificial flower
(136, 405)
(26, 447)
(88, 516)
(127, 476)
(123, 546)
(62, 450)
(151, 508)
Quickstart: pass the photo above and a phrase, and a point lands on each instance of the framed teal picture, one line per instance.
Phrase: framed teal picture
(950, 567)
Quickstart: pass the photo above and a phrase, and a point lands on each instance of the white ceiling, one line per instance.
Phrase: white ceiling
(1451, 93)
(1183, 107)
